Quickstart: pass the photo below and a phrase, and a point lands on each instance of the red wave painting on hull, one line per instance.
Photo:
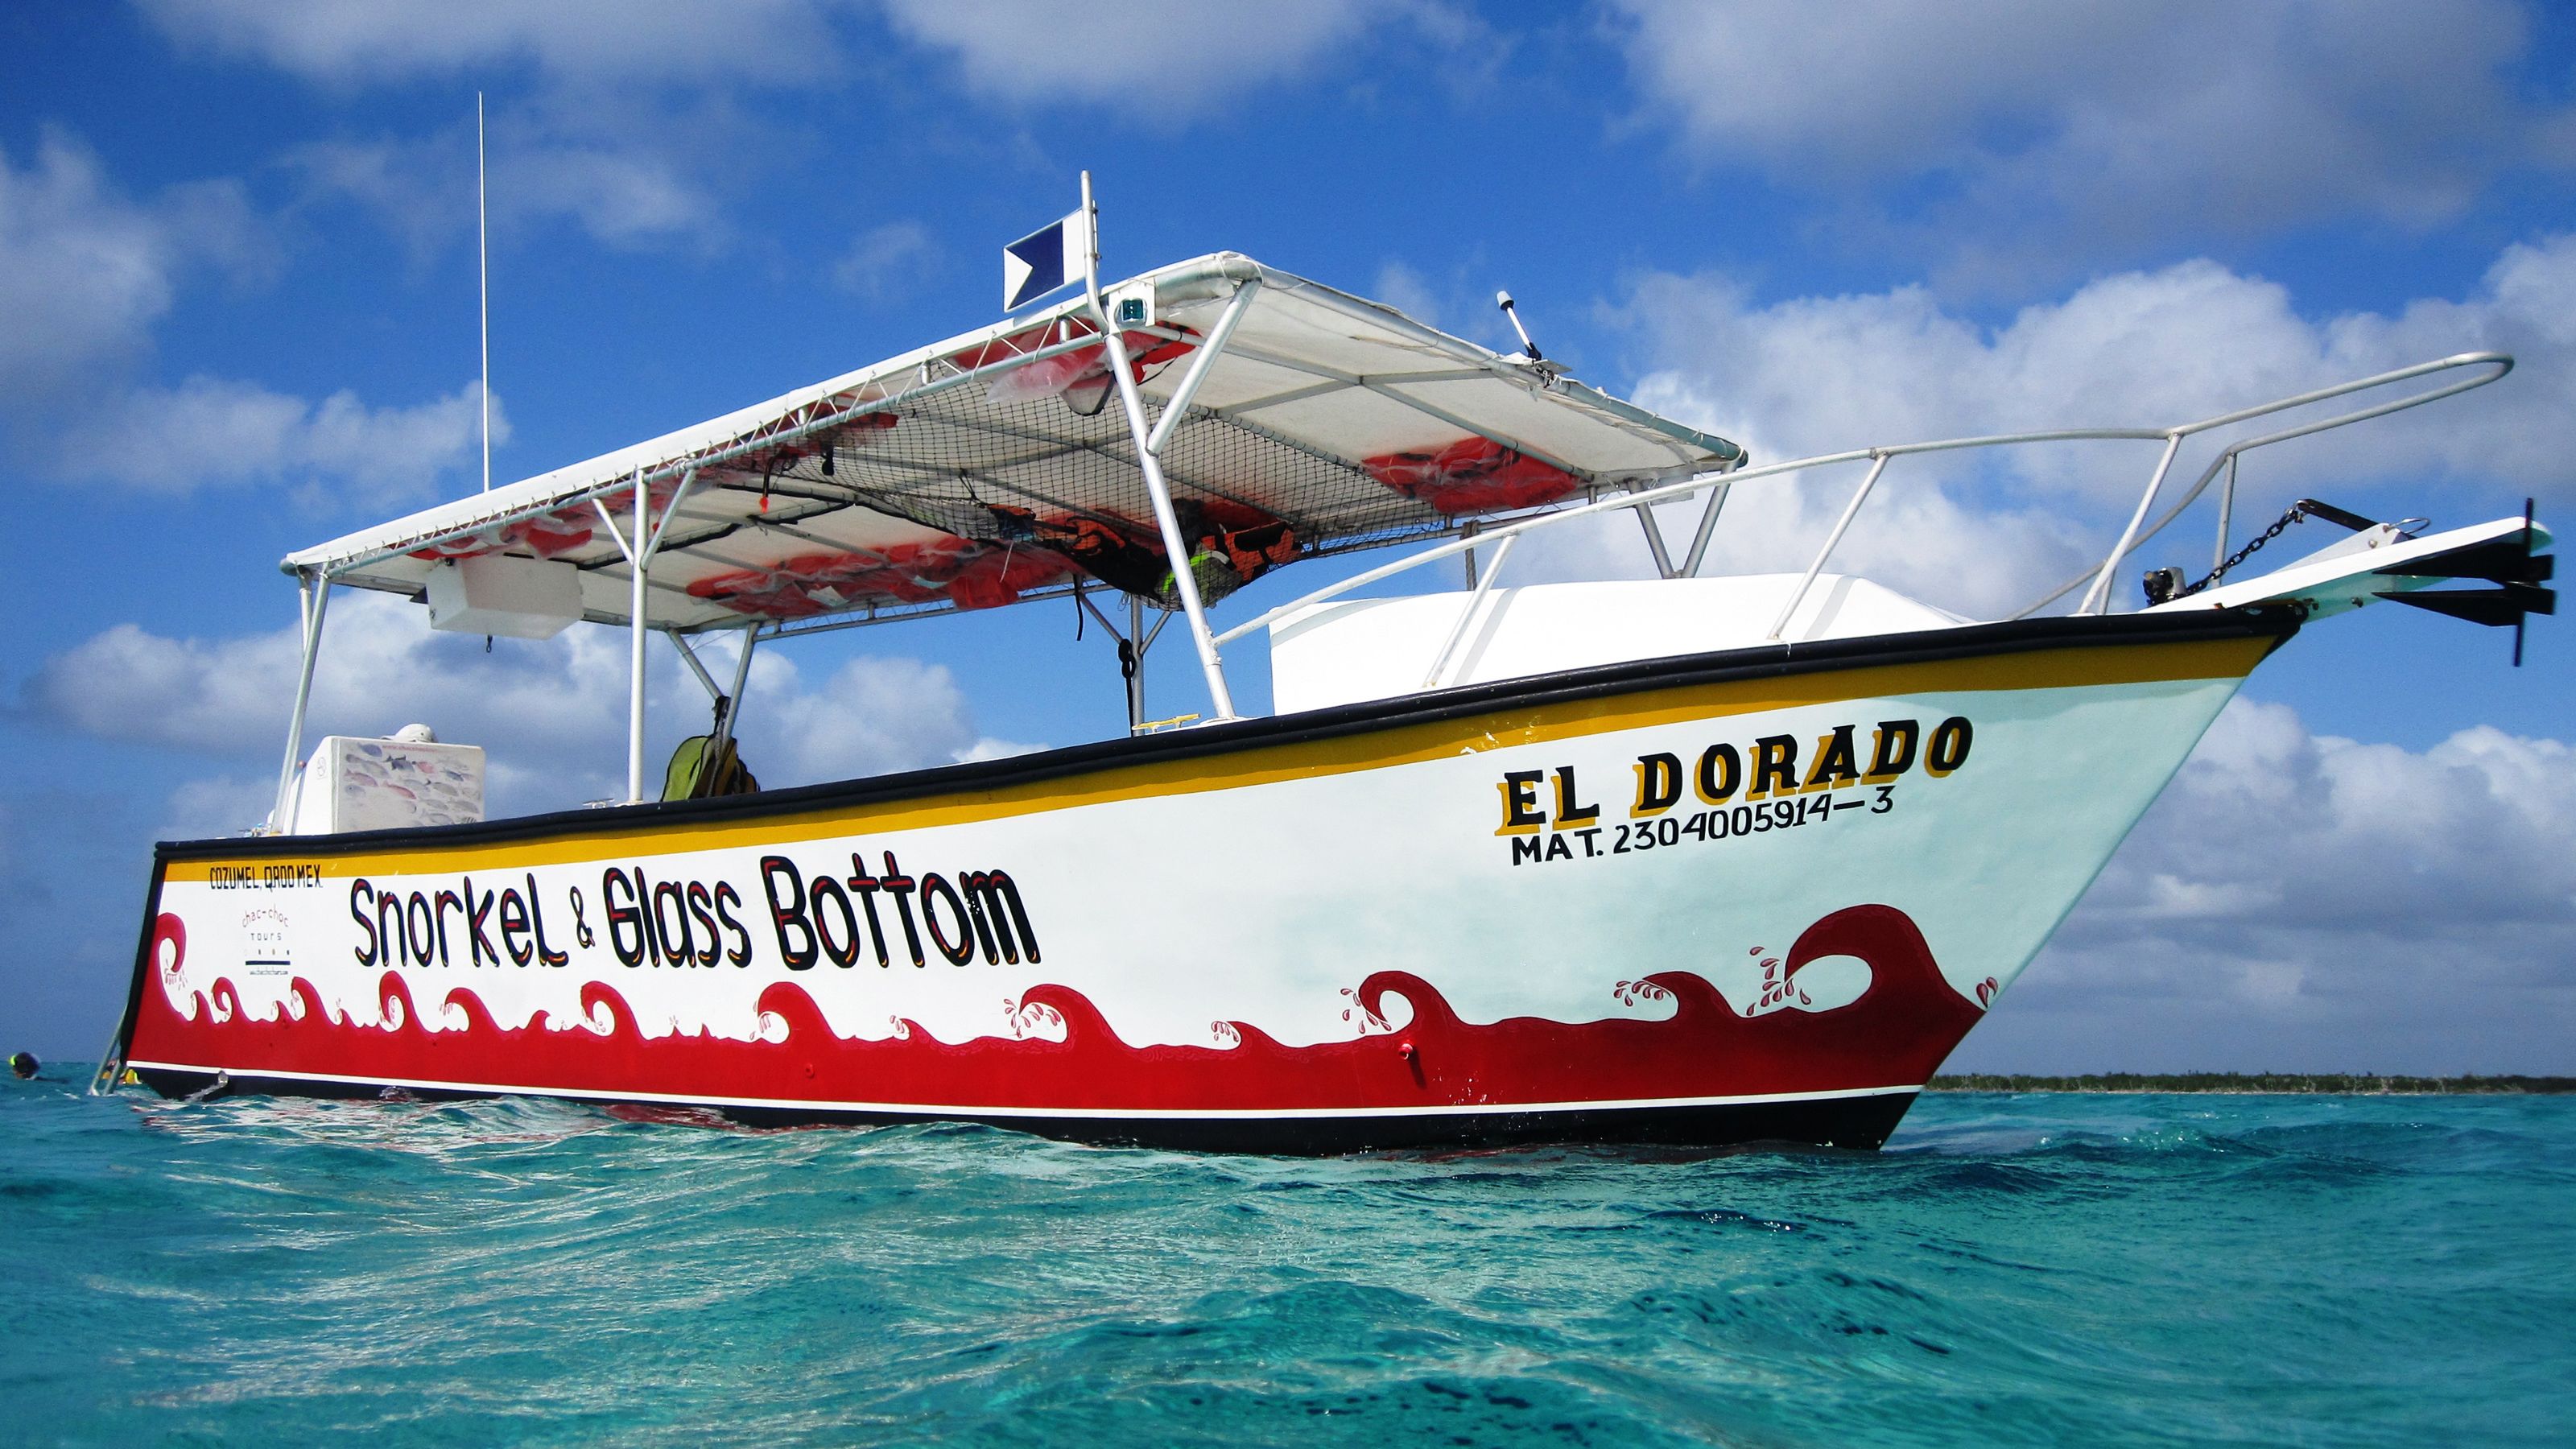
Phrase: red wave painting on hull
(1893, 1035)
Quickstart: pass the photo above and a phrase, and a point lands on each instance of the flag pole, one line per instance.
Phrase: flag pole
(1176, 549)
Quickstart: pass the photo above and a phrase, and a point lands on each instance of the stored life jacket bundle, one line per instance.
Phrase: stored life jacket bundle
(795, 588)
(914, 573)
(1231, 544)
(1254, 542)
(969, 573)
(547, 535)
(1472, 475)
(1110, 555)
(999, 574)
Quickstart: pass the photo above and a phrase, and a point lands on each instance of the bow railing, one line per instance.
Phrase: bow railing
(2095, 580)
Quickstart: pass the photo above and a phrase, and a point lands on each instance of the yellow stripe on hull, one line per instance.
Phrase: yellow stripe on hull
(1360, 750)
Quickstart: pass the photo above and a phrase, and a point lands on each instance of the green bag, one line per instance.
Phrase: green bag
(694, 776)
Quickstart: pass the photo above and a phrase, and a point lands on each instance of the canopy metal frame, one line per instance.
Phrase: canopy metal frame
(639, 548)
(720, 456)
(1700, 465)
(737, 443)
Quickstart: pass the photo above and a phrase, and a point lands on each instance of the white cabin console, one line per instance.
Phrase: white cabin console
(1345, 652)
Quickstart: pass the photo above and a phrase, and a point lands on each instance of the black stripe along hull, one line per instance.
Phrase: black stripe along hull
(1857, 1123)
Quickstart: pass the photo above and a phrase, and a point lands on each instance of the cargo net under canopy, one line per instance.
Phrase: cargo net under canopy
(1031, 478)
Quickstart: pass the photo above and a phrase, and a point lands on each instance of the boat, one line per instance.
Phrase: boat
(1692, 860)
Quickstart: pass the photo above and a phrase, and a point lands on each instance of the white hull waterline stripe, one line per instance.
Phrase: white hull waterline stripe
(954, 1113)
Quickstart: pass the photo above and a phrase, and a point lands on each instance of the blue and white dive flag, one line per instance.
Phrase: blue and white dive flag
(1052, 256)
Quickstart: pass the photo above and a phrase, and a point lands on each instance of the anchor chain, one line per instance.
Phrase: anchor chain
(2298, 510)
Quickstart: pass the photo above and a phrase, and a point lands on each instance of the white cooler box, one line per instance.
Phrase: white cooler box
(355, 784)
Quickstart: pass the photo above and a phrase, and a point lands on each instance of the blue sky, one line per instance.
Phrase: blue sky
(236, 259)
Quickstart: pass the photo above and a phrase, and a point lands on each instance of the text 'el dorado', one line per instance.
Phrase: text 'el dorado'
(1551, 815)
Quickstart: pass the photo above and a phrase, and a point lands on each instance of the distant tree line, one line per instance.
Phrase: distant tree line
(2335, 1083)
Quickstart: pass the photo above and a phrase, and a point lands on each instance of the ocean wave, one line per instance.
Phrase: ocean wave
(2059, 1269)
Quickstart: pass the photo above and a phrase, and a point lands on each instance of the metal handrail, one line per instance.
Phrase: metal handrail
(2132, 536)
(2502, 363)
(1842, 525)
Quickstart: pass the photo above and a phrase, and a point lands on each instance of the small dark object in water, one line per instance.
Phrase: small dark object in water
(23, 1065)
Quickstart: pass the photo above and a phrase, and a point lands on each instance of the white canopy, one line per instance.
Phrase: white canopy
(998, 466)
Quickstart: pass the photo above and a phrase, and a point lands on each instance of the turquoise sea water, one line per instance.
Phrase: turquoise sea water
(2034, 1269)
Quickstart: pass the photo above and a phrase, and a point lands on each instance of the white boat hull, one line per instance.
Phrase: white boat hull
(1730, 897)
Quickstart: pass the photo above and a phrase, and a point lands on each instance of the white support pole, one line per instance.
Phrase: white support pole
(670, 510)
(1850, 510)
(1467, 615)
(1210, 348)
(741, 677)
(1707, 530)
(689, 657)
(2097, 599)
(313, 596)
(2226, 515)
(1654, 538)
(638, 559)
(1175, 548)
(642, 539)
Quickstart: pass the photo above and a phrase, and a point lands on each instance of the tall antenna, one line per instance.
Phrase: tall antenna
(483, 257)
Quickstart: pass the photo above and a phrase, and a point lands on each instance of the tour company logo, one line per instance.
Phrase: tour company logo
(1552, 814)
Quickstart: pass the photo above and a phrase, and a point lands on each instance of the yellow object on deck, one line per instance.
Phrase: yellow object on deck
(693, 777)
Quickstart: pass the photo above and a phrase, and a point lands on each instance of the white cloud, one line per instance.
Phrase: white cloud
(871, 715)
(85, 272)
(348, 42)
(2315, 903)
(1459, 298)
(1813, 375)
(621, 193)
(1152, 58)
(2098, 127)
(1407, 291)
(630, 175)
(1816, 374)
(215, 431)
(884, 260)
(421, 191)
(631, 120)
(2480, 828)
(217, 806)
(628, 128)
(551, 715)
(1972, 558)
